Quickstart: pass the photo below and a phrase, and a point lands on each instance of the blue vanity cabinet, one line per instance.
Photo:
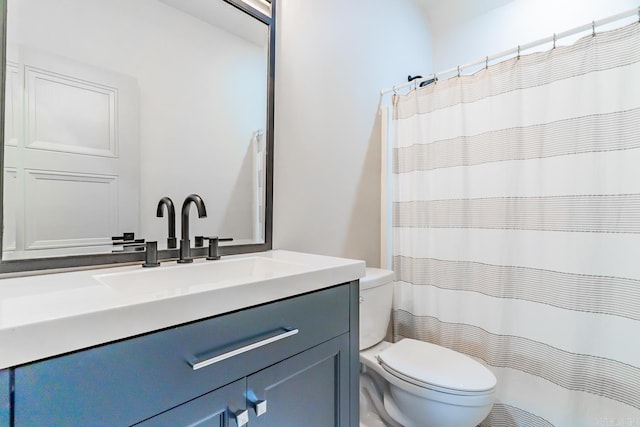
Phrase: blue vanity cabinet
(303, 390)
(5, 397)
(301, 352)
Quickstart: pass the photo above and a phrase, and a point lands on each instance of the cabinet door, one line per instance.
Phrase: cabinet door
(310, 389)
(219, 408)
(5, 392)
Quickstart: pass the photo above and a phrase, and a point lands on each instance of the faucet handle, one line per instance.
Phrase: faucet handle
(151, 255)
(125, 243)
(213, 246)
(199, 240)
(129, 236)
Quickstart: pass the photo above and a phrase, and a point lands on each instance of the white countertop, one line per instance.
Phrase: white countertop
(50, 314)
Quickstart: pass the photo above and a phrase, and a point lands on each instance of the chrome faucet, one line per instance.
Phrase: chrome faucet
(185, 244)
(171, 213)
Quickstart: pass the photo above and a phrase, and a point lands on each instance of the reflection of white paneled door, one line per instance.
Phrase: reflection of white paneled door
(71, 156)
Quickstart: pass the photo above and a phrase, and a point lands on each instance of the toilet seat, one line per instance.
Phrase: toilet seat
(436, 368)
(370, 362)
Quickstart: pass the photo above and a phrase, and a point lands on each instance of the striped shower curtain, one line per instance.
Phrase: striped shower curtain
(516, 228)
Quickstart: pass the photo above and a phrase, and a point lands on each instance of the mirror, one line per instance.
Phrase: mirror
(111, 105)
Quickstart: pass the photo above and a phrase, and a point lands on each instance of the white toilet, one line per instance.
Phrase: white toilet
(413, 383)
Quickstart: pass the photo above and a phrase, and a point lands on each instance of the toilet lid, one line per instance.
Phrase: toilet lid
(432, 365)
(375, 277)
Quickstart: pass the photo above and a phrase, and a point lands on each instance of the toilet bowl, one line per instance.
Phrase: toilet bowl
(413, 383)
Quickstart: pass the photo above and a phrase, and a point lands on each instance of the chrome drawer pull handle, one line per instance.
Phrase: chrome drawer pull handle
(210, 361)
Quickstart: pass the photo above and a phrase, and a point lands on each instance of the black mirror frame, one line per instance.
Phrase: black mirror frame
(35, 265)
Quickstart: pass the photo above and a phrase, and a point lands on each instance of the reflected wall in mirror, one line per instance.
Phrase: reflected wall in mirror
(111, 105)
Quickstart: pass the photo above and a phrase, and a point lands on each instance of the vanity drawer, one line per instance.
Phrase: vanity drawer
(128, 381)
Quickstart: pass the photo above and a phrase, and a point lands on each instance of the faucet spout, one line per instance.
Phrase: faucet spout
(171, 213)
(185, 245)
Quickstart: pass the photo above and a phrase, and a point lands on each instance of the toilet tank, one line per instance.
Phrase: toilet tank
(376, 296)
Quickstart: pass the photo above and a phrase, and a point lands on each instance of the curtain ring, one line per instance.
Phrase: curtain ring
(458, 71)
(554, 40)
(435, 80)
(486, 63)
(593, 28)
(518, 51)
(394, 90)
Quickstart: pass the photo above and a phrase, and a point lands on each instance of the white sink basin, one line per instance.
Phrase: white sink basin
(199, 276)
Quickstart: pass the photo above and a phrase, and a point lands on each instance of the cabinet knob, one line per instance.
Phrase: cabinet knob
(241, 417)
(260, 406)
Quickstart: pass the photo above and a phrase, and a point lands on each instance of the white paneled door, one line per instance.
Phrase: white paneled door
(71, 156)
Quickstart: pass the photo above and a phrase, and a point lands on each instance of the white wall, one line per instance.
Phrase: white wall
(518, 22)
(333, 57)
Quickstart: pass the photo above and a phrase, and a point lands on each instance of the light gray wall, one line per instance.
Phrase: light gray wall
(518, 22)
(333, 57)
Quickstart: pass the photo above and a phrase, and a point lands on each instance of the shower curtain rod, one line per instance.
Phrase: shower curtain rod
(555, 37)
